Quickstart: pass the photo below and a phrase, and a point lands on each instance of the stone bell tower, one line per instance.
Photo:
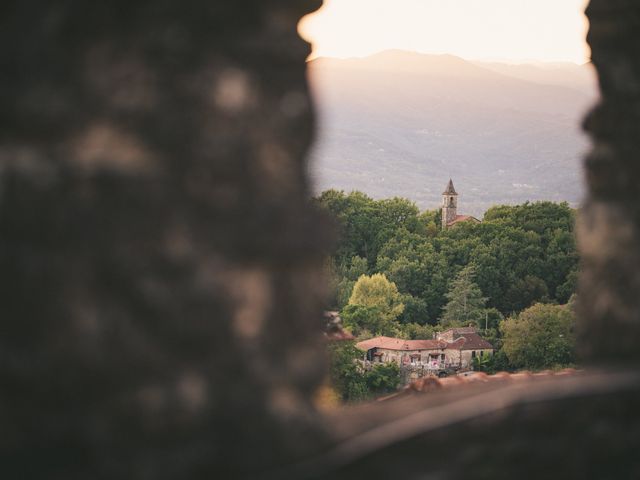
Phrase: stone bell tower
(449, 205)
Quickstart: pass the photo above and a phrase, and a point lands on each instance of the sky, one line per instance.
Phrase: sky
(501, 30)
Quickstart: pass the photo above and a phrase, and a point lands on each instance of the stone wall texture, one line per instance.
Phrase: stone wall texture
(610, 223)
(160, 265)
(159, 260)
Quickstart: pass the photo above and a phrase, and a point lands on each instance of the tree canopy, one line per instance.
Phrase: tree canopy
(466, 305)
(374, 306)
(396, 272)
(376, 291)
(522, 254)
(542, 336)
(352, 381)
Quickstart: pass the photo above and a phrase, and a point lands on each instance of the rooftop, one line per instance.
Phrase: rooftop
(450, 190)
(470, 341)
(390, 343)
(464, 339)
(462, 218)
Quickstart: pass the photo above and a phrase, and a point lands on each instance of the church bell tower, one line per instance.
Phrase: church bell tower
(449, 205)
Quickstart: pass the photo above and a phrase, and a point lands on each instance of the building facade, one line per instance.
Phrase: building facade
(455, 349)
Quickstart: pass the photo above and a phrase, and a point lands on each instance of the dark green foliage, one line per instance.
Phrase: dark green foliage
(354, 383)
(359, 319)
(491, 364)
(382, 378)
(522, 254)
(413, 331)
(412, 262)
(345, 372)
(344, 277)
(415, 310)
(466, 305)
(366, 224)
(565, 291)
(541, 336)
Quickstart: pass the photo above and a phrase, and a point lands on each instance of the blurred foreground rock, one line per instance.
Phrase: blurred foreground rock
(160, 265)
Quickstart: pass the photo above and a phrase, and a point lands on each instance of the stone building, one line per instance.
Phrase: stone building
(453, 348)
(450, 215)
(463, 345)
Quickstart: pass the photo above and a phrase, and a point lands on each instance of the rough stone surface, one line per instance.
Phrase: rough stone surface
(159, 261)
(575, 427)
(609, 231)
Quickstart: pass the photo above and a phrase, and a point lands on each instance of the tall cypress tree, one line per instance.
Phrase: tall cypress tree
(466, 305)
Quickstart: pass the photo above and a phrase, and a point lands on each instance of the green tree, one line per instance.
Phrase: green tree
(362, 321)
(491, 364)
(365, 224)
(376, 291)
(345, 278)
(382, 378)
(466, 305)
(522, 254)
(415, 310)
(565, 291)
(412, 262)
(352, 381)
(414, 331)
(541, 336)
(432, 220)
(345, 371)
(526, 291)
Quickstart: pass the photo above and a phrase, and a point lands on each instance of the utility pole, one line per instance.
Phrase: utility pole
(486, 321)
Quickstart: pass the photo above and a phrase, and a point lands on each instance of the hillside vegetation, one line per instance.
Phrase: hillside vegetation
(396, 272)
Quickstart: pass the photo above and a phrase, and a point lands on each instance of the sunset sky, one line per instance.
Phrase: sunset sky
(511, 30)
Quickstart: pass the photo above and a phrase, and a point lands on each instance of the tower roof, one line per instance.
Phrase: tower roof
(450, 190)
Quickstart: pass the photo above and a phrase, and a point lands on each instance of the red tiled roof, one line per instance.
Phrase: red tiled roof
(457, 344)
(472, 341)
(462, 218)
(461, 330)
(400, 344)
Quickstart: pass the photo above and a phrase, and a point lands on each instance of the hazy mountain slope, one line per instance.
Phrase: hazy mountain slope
(580, 77)
(400, 123)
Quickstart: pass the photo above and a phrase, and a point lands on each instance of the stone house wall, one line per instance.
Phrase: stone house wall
(452, 356)
(389, 355)
(447, 336)
(464, 358)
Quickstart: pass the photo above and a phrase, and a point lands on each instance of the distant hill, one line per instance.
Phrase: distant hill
(402, 123)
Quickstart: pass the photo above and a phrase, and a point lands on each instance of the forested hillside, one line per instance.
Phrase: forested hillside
(521, 254)
(395, 272)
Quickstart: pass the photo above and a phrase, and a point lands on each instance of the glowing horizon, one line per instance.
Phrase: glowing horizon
(505, 30)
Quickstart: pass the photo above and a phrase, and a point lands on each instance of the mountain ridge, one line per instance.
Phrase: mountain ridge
(399, 123)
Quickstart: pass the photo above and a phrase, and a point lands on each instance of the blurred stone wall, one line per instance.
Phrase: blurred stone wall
(159, 261)
(610, 222)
